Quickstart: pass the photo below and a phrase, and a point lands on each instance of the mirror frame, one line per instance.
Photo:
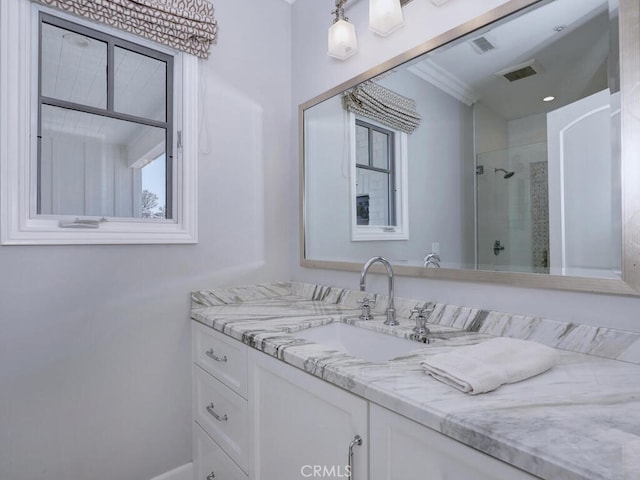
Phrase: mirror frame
(629, 32)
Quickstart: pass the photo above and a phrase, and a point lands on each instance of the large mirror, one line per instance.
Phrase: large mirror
(492, 156)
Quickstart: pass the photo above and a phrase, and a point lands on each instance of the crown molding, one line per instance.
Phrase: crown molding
(441, 78)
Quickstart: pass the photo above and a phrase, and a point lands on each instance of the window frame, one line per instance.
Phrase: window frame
(398, 162)
(19, 83)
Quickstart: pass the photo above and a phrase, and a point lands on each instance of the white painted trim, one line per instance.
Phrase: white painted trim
(18, 226)
(185, 472)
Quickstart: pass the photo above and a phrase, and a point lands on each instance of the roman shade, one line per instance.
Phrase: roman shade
(386, 106)
(187, 25)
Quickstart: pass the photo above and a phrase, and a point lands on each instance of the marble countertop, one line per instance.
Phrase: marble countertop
(578, 421)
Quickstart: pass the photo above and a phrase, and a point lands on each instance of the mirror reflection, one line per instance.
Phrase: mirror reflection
(498, 151)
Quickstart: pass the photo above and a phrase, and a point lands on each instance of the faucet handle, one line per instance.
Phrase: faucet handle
(421, 320)
(420, 311)
(366, 308)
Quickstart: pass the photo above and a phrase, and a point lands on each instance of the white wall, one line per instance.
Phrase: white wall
(95, 377)
(314, 72)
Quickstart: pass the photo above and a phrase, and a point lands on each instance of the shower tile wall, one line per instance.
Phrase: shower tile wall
(540, 216)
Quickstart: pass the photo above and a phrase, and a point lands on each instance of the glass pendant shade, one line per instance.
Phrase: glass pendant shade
(342, 40)
(385, 16)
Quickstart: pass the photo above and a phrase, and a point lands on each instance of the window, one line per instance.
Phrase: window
(105, 125)
(105, 154)
(378, 183)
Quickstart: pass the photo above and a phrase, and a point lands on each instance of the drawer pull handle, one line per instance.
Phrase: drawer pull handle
(211, 476)
(209, 353)
(212, 412)
(357, 440)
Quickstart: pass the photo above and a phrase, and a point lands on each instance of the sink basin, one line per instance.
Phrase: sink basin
(358, 342)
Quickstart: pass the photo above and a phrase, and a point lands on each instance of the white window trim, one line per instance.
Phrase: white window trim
(363, 233)
(18, 127)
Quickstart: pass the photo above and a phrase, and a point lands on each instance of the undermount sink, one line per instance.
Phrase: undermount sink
(358, 342)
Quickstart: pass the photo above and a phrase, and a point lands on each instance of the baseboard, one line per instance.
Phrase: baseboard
(185, 472)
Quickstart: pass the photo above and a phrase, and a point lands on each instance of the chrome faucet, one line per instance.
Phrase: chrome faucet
(433, 259)
(391, 310)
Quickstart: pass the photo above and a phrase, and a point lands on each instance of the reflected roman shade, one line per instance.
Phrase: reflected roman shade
(186, 25)
(386, 106)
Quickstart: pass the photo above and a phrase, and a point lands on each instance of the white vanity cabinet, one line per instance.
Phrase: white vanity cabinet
(401, 449)
(220, 430)
(258, 418)
(301, 426)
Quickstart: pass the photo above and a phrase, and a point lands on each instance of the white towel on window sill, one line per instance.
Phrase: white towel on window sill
(485, 366)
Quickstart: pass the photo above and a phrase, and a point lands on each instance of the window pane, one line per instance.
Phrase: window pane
(93, 165)
(362, 145)
(154, 188)
(74, 67)
(140, 85)
(372, 190)
(380, 150)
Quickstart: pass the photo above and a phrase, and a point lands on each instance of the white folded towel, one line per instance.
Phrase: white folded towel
(485, 366)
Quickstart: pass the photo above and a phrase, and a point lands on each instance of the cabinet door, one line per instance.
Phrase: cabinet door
(401, 449)
(301, 426)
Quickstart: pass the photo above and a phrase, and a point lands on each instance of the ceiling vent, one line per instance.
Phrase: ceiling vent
(518, 72)
(482, 45)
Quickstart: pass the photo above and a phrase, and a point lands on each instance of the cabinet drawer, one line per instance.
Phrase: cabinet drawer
(221, 356)
(222, 413)
(210, 462)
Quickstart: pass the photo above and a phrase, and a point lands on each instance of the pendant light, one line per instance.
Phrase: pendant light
(342, 35)
(385, 16)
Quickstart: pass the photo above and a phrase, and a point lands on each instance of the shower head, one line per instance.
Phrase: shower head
(506, 173)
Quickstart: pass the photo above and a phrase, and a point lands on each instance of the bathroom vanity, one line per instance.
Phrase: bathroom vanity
(269, 403)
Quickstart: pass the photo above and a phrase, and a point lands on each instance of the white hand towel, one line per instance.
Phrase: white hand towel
(485, 366)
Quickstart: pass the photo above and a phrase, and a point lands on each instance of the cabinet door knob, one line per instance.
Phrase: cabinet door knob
(209, 353)
(212, 412)
(211, 476)
(357, 440)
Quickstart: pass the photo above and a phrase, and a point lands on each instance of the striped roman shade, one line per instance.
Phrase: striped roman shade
(386, 106)
(187, 25)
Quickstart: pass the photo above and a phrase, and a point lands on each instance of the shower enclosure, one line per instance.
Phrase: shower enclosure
(553, 205)
(512, 222)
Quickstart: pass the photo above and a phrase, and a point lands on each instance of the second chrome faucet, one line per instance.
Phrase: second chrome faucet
(391, 310)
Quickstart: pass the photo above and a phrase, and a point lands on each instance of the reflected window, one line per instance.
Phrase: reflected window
(379, 178)
(104, 125)
(375, 185)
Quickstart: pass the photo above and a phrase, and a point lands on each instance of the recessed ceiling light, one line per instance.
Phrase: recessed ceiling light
(550, 98)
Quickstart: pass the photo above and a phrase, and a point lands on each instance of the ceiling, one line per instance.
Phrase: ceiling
(567, 41)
